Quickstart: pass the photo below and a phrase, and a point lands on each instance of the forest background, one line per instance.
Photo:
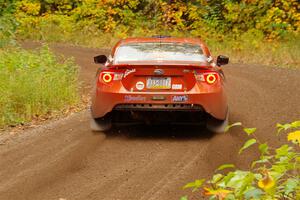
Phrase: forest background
(249, 31)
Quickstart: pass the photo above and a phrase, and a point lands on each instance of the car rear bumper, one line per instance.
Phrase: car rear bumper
(211, 102)
(158, 107)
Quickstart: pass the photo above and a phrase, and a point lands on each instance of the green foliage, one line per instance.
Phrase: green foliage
(285, 127)
(6, 7)
(195, 185)
(233, 125)
(249, 131)
(249, 31)
(225, 166)
(252, 48)
(34, 84)
(275, 175)
(273, 18)
(247, 144)
(8, 27)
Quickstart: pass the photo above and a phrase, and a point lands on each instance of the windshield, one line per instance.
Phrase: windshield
(155, 51)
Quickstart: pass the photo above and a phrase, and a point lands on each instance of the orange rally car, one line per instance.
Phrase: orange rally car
(159, 80)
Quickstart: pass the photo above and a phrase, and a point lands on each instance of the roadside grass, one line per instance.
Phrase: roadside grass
(250, 47)
(284, 54)
(35, 84)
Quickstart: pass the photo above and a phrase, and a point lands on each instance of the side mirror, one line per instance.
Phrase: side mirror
(101, 59)
(222, 60)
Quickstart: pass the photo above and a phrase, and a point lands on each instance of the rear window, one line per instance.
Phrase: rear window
(166, 51)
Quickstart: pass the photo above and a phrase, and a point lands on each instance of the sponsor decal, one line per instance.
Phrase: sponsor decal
(176, 86)
(134, 98)
(180, 98)
(140, 85)
(129, 71)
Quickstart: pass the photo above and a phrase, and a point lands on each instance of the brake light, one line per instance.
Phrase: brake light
(211, 78)
(108, 77)
(208, 77)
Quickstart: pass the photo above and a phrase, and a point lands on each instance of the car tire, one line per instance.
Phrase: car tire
(217, 126)
(101, 124)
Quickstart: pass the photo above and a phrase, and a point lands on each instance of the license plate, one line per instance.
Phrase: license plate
(159, 83)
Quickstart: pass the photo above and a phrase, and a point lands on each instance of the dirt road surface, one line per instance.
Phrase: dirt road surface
(65, 160)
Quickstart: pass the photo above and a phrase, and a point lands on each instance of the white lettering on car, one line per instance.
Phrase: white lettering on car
(129, 71)
(180, 98)
(176, 86)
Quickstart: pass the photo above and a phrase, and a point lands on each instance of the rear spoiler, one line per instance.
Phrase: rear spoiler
(186, 66)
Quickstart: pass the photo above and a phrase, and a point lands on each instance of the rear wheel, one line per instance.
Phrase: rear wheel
(101, 124)
(216, 125)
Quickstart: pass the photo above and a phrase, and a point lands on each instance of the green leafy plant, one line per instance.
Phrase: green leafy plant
(273, 18)
(275, 175)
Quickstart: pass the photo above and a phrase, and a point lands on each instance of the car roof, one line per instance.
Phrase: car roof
(162, 39)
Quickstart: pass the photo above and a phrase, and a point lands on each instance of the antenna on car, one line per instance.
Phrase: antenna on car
(161, 36)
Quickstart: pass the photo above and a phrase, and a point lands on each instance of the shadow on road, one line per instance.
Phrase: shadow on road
(165, 132)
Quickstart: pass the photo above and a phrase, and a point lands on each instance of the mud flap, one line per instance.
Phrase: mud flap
(101, 124)
(217, 126)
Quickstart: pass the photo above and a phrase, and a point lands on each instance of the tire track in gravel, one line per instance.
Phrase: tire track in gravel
(180, 170)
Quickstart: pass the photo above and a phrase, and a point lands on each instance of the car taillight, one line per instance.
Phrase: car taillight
(211, 78)
(108, 77)
(208, 77)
